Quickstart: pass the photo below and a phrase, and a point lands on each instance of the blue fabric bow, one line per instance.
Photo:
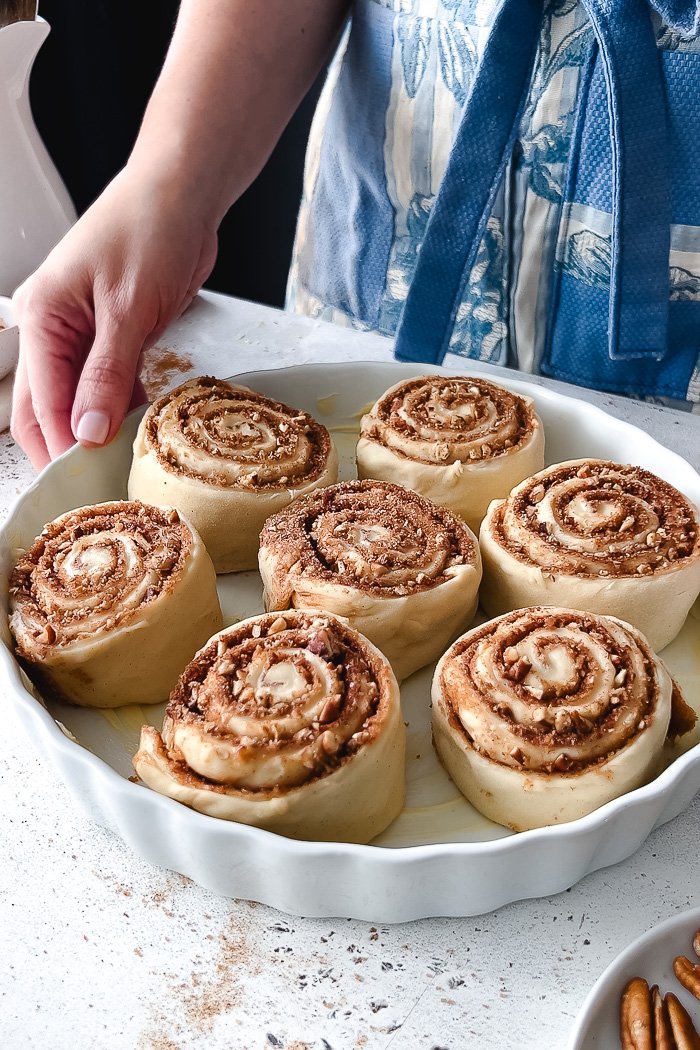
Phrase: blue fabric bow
(639, 280)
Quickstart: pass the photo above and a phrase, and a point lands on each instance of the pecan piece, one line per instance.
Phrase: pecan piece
(167, 561)
(321, 645)
(331, 709)
(517, 671)
(48, 635)
(562, 721)
(329, 742)
(636, 1020)
(696, 944)
(684, 1034)
(688, 974)
(663, 1038)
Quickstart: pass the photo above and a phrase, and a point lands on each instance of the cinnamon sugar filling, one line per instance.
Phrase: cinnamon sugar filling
(248, 440)
(94, 568)
(598, 519)
(466, 419)
(550, 691)
(370, 535)
(296, 683)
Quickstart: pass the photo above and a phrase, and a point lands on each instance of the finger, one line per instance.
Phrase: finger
(23, 425)
(53, 352)
(155, 336)
(107, 380)
(202, 271)
(187, 302)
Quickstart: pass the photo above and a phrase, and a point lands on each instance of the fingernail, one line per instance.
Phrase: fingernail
(93, 427)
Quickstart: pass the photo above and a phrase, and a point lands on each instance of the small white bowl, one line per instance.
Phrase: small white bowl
(651, 957)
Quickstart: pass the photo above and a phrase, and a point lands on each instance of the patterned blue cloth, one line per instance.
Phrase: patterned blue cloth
(514, 181)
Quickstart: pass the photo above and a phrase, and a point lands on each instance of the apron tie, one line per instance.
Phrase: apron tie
(641, 212)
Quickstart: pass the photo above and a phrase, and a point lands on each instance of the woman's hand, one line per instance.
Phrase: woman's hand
(131, 264)
(234, 74)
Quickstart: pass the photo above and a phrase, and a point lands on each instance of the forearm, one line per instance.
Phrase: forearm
(235, 72)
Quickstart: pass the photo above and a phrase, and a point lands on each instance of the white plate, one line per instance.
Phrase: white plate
(451, 861)
(650, 956)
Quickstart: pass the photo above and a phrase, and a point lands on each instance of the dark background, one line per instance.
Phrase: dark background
(91, 81)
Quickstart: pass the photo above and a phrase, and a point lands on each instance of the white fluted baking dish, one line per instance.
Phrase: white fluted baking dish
(440, 857)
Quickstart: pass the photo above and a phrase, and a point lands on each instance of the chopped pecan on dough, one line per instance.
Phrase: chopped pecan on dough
(636, 1018)
(688, 974)
(696, 944)
(684, 1034)
(48, 635)
(517, 671)
(331, 709)
(663, 1038)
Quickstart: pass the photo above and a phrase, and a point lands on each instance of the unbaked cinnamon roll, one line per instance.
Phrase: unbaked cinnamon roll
(462, 441)
(228, 458)
(110, 603)
(545, 714)
(404, 572)
(598, 536)
(289, 722)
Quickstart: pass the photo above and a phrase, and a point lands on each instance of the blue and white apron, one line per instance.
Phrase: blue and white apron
(516, 181)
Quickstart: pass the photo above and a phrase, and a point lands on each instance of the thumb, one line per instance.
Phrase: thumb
(106, 383)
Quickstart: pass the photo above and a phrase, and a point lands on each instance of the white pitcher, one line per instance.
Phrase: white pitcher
(35, 209)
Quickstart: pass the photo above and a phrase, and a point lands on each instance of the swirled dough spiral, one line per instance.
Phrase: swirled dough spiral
(545, 714)
(111, 602)
(289, 722)
(228, 458)
(598, 536)
(403, 571)
(462, 441)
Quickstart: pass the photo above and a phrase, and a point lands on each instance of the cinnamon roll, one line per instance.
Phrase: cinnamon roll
(110, 603)
(545, 714)
(598, 536)
(228, 458)
(462, 441)
(404, 572)
(289, 722)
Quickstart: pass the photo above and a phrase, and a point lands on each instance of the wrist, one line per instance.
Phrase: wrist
(184, 177)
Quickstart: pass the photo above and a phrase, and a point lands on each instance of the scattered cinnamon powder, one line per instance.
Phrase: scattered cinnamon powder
(157, 1041)
(162, 369)
(211, 995)
(213, 989)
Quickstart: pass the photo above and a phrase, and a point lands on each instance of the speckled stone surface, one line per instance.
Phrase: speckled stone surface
(99, 950)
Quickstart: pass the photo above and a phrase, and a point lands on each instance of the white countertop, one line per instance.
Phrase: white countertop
(102, 951)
